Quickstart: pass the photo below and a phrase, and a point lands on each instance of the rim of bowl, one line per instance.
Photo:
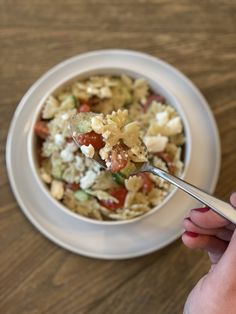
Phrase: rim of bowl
(156, 86)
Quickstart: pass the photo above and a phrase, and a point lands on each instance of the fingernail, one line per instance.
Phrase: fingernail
(191, 234)
(202, 209)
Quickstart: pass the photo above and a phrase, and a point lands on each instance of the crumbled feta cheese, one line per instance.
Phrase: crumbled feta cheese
(79, 162)
(105, 92)
(66, 155)
(92, 90)
(88, 151)
(108, 164)
(155, 143)
(174, 126)
(88, 180)
(162, 118)
(72, 147)
(59, 139)
(65, 116)
(57, 189)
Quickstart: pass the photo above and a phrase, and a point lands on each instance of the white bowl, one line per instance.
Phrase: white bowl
(156, 86)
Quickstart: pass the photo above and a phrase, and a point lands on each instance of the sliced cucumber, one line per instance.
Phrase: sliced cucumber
(83, 122)
(56, 171)
(129, 168)
(68, 103)
(81, 196)
(118, 178)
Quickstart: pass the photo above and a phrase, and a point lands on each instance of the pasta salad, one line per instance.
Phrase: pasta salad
(121, 111)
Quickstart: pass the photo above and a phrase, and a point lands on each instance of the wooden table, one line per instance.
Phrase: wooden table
(198, 37)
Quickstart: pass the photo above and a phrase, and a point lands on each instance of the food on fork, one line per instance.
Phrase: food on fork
(114, 137)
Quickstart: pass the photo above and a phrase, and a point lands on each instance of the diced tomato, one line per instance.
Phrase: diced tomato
(168, 160)
(84, 108)
(41, 129)
(118, 158)
(73, 186)
(120, 195)
(92, 138)
(150, 99)
(147, 182)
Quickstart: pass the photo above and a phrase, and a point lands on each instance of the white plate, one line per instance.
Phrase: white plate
(119, 241)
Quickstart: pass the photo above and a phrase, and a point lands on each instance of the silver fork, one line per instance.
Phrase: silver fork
(220, 207)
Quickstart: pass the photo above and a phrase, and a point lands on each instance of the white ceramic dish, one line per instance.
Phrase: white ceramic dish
(156, 87)
(121, 240)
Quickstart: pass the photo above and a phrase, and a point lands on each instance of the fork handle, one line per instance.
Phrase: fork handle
(220, 207)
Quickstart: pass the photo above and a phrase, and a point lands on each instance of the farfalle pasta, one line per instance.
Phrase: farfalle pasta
(121, 111)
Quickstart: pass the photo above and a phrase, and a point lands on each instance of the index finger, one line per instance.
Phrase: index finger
(208, 219)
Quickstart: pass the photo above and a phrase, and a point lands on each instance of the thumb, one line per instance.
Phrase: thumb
(233, 199)
(228, 261)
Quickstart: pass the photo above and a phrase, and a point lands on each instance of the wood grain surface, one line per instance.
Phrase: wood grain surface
(199, 38)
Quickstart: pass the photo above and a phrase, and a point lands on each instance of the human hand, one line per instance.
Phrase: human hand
(215, 293)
